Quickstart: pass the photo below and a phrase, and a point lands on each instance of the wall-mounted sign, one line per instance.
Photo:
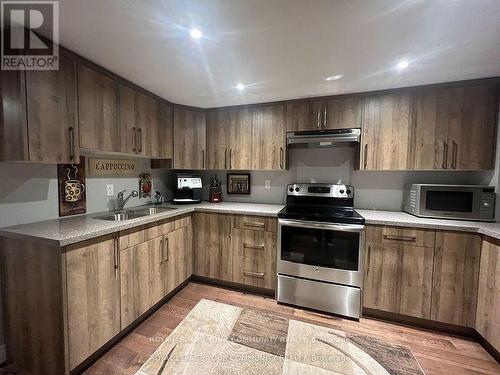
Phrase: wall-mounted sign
(71, 181)
(106, 167)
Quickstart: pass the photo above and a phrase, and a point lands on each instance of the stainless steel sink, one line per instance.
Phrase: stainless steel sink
(134, 213)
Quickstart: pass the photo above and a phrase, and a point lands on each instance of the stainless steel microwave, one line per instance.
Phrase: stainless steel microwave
(462, 202)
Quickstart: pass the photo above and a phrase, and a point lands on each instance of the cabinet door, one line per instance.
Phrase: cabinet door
(166, 131)
(268, 139)
(299, 116)
(128, 124)
(93, 292)
(342, 113)
(212, 251)
(98, 110)
(240, 139)
(381, 284)
(455, 278)
(472, 137)
(386, 132)
(142, 279)
(148, 132)
(13, 125)
(52, 113)
(190, 139)
(488, 298)
(218, 142)
(178, 257)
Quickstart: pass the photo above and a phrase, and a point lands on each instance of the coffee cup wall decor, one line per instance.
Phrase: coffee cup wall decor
(72, 198)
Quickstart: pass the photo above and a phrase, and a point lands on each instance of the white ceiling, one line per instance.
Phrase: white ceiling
(283, 49)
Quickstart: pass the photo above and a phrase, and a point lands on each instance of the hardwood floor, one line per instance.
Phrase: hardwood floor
(437, 353)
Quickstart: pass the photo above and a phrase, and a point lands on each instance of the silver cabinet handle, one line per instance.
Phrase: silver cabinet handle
(324, 117)
(368, 260)
(254, 224)
(165, 243)
(445, 156)
(230, 158)
(247, 245)
(258, 275)
(365, 163)
(319, 118)
(115, 255)
(400, 238)
(161, 250)
(71, 143)
(281, 158)
(454, 153)
(140, 139)
(134, 140)
(203, 158)
(225, 158)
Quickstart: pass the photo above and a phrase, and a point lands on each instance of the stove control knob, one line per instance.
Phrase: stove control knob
(341, 191)
(297, 189)
(348, 192)
(291, 190)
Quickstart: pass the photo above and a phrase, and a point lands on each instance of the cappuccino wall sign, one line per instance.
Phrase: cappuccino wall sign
(106, 167)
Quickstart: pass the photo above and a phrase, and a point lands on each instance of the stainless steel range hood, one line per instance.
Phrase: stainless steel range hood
(324, 138)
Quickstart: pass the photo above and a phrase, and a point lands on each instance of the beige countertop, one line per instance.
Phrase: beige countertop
(66, 231)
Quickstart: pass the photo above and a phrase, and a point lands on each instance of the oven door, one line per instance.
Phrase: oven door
(458, 202)
(321, 251)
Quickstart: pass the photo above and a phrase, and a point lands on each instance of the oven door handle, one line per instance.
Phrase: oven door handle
(319, 225)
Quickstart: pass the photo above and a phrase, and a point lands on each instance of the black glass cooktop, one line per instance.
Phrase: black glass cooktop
(344, 215)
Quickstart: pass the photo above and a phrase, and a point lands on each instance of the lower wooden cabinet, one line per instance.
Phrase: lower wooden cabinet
(178, 257)
(455, 278)
(398, 272)
(93, 296)
(488, 298)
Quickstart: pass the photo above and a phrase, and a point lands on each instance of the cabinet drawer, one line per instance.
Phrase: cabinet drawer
(256, 223)
(182, 222)
(135, 236)
(254, 244)
(254, 271)
(395, 235)
(166, 226)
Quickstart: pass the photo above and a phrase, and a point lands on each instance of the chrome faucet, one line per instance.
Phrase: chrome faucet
(123, 201)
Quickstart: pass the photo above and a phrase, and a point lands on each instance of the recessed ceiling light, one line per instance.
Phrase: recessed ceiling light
(403, 64)
(195, 34)
(334, 78)
(240, 86)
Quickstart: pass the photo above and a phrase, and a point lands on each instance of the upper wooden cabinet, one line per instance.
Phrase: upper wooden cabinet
(98, 110)
(268, 137)
(190, 131)
(39, 120)
(335, 113)
(455, 127)
(229, 140)
(386, 132)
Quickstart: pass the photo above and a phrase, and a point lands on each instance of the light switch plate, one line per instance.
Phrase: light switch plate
(267, 184)
(110, 190)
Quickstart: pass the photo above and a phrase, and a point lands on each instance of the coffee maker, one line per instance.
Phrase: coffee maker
(188, 189)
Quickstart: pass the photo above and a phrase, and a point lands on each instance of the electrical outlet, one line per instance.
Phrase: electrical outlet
(267, 184)
(110, 190)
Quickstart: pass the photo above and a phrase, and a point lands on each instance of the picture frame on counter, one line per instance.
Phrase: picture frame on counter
(238, 183)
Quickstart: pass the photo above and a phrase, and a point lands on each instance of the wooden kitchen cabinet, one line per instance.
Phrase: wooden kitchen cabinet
(212, 245)
(398, 270)
(93, 296)
(190, 131)
(229, 140)
(268, 138)
(98, 110)
(488, 297)
(335, 113)
(385, 141)
(178, 257)
(455, 278)
(455, 127)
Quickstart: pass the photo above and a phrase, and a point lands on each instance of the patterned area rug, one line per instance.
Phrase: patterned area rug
(215, 338)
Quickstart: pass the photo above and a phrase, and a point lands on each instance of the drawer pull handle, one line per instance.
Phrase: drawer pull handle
(258, 275)
(253, 224)
(253, 246)
(400, 238)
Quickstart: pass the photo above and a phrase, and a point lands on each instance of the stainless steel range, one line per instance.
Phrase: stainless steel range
(320, 249)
